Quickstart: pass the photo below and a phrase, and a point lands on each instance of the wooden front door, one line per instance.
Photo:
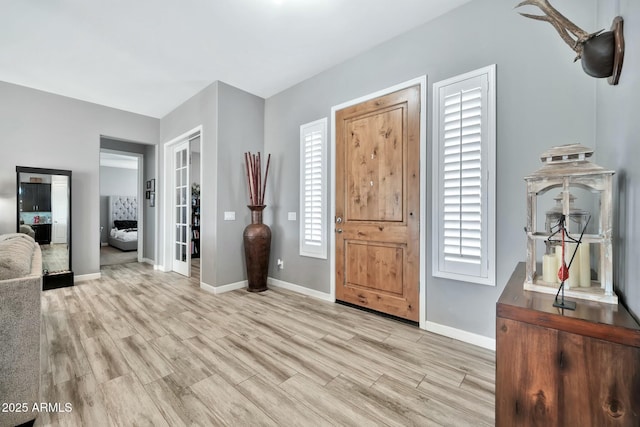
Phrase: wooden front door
(378, 203)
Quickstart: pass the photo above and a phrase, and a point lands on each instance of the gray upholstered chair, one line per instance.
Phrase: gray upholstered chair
(26, 229)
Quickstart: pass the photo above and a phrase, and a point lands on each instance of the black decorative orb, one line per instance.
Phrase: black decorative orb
(598, 55)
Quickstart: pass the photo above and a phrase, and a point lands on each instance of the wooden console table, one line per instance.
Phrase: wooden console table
(559, 367)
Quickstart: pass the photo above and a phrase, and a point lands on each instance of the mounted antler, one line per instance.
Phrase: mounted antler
(567, 29)
(601, 53)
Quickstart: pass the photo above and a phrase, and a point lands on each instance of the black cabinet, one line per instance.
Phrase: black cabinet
(35, 197)
(43, 233)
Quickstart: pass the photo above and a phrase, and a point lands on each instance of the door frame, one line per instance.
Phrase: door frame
(422, 81)
(166, 192)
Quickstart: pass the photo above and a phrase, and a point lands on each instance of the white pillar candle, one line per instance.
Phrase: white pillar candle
(585, 265)
(550, 268)
(574, 270)
(558, 261)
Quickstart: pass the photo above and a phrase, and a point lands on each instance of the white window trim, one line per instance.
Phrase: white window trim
(306, 249)
(489, 179)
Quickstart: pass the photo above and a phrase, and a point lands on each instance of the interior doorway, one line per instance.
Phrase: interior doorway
(182, 205)
(122, 201)
(121, 222)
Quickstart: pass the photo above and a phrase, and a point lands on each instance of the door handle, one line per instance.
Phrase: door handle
(339, 230)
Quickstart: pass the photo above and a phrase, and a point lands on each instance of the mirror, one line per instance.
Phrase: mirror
(44, 212)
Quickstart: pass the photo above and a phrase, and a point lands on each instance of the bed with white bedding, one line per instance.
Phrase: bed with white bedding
(123, 218)
(124, 239)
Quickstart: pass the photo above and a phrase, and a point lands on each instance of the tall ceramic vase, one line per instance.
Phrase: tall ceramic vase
(257, 245)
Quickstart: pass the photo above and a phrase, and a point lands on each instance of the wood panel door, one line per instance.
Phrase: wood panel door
(378, 203)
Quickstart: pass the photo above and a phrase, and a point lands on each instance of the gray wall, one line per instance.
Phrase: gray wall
(236, 119)
(618, 130)
(40, 129)
(114, 182)
(240, 129)
(544, 99)
(199, 110)
(150, 213)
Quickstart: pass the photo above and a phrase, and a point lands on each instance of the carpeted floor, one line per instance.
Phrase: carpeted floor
(112, 256)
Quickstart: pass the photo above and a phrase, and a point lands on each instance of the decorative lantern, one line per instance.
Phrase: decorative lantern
(589, 255)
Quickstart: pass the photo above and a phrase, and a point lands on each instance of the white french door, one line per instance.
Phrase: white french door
(181, 210)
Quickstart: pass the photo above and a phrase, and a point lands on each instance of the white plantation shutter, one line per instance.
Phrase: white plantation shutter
(313, 228)
(464, 176)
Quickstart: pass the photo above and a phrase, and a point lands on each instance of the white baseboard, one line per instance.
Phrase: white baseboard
(216, 290)
(152, 263)
(87, 277)
(104, 244)
(299, 289)
(460, 335)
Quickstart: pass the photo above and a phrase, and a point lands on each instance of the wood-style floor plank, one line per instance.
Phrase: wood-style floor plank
(219, 360)
(261, 362)
(87, 407)
(128, 404)
(222, 399)
(419, 406)
(143, 359)
(391, 412)
(312, 368)
(322, 401)
(179, 405)
(283, 408)
(186, 366)
(106, 360)
(141, 347)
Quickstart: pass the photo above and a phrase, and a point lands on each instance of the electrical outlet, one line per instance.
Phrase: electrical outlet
(280, 264)
(230, 216)
(291, 216)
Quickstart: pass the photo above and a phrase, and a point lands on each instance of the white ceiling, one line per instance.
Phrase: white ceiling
(149, 56)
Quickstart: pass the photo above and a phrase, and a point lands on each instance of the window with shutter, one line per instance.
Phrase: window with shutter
(464, 177)
(313, 176)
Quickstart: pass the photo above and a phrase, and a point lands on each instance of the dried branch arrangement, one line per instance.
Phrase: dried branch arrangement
(257, 185)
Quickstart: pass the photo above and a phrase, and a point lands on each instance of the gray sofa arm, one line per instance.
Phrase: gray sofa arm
(20, 343)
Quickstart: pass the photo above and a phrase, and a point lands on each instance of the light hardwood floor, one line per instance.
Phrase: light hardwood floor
(139, 347)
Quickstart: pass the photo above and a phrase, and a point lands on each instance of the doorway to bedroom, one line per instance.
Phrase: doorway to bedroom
(121, 175)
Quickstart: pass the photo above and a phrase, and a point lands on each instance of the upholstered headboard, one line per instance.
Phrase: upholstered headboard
(122, 208)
